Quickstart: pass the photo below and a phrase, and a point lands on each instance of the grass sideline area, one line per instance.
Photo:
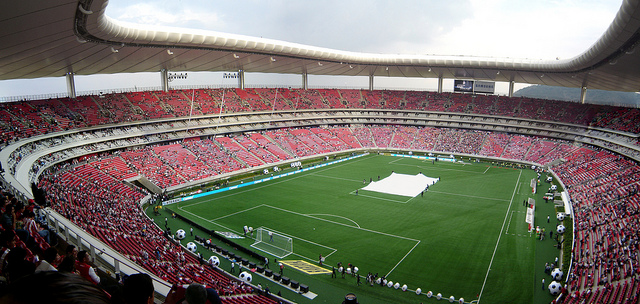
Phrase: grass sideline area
(466, 237)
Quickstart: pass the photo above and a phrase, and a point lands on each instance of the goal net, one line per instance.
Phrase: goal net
(273, 243)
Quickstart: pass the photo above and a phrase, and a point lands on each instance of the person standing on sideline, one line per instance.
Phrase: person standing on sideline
(233, 266)
(270, 236)
(266, 263)
(191, 230)
(547, 219)
(333, 272)
(358, 282)
(320, 260)
(543, 284)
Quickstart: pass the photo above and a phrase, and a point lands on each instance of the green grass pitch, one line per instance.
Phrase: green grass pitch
(466, 237)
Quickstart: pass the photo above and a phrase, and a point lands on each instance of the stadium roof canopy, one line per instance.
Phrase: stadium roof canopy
(49, 38)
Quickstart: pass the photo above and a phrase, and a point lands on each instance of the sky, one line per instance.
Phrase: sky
(540, 29)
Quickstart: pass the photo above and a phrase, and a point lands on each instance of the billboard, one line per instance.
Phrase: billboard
(484, 87)
(463, 86)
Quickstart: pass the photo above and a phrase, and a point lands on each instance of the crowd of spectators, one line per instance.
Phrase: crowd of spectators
(604, 186)
(29, 118)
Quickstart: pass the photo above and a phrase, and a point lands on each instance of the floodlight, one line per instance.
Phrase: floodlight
(235, 56)
(169, 52)
(273, 59)
(114, 50)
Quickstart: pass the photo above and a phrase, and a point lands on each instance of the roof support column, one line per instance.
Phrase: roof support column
(583, 94)
(71, 85)
(164, 80)
(440, 81)
(511, 85)
(371, 82)
(241, 79)
(305, 81)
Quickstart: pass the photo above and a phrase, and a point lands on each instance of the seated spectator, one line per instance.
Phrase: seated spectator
(198, 294)
(68, 265)
(41, 235)
(71, 251)
(18, 265)
(138, 289)
(49, 258)
(53, 287)
(85, 269)
(8, 222)
(11, 242)
(8, 242)
(192, 294)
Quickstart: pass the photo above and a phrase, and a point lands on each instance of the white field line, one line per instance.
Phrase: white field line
(267, 184)
(342, 217)
(333, 177)
(231, 214)
(342, 224)
(509, 225)
(499, 236)
(211, 221)
(404, 257)
(379, 198)
(395, 160)
(472, 196)
(485, 171)
(298, 238)
(437, 168)
(363, 229)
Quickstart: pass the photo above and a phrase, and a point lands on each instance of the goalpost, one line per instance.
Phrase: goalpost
(273, 243)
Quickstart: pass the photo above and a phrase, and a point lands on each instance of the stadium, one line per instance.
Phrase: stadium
(300, 195)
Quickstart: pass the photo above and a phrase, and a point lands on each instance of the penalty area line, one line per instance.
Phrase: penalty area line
(346, 218)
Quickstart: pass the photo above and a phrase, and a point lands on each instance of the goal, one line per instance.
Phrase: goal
(273, 243)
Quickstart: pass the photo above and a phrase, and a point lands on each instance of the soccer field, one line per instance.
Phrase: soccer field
(465, 237)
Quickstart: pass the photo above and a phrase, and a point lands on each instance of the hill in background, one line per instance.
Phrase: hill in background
(573, 94)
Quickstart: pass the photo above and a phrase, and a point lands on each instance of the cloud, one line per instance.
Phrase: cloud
(149, 13)
(528, 29)
(540, 29)
(543, 29)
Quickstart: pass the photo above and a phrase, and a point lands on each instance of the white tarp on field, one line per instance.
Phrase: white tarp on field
(402, 184)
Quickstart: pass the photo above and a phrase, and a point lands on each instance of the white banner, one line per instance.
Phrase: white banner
(484, 87)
